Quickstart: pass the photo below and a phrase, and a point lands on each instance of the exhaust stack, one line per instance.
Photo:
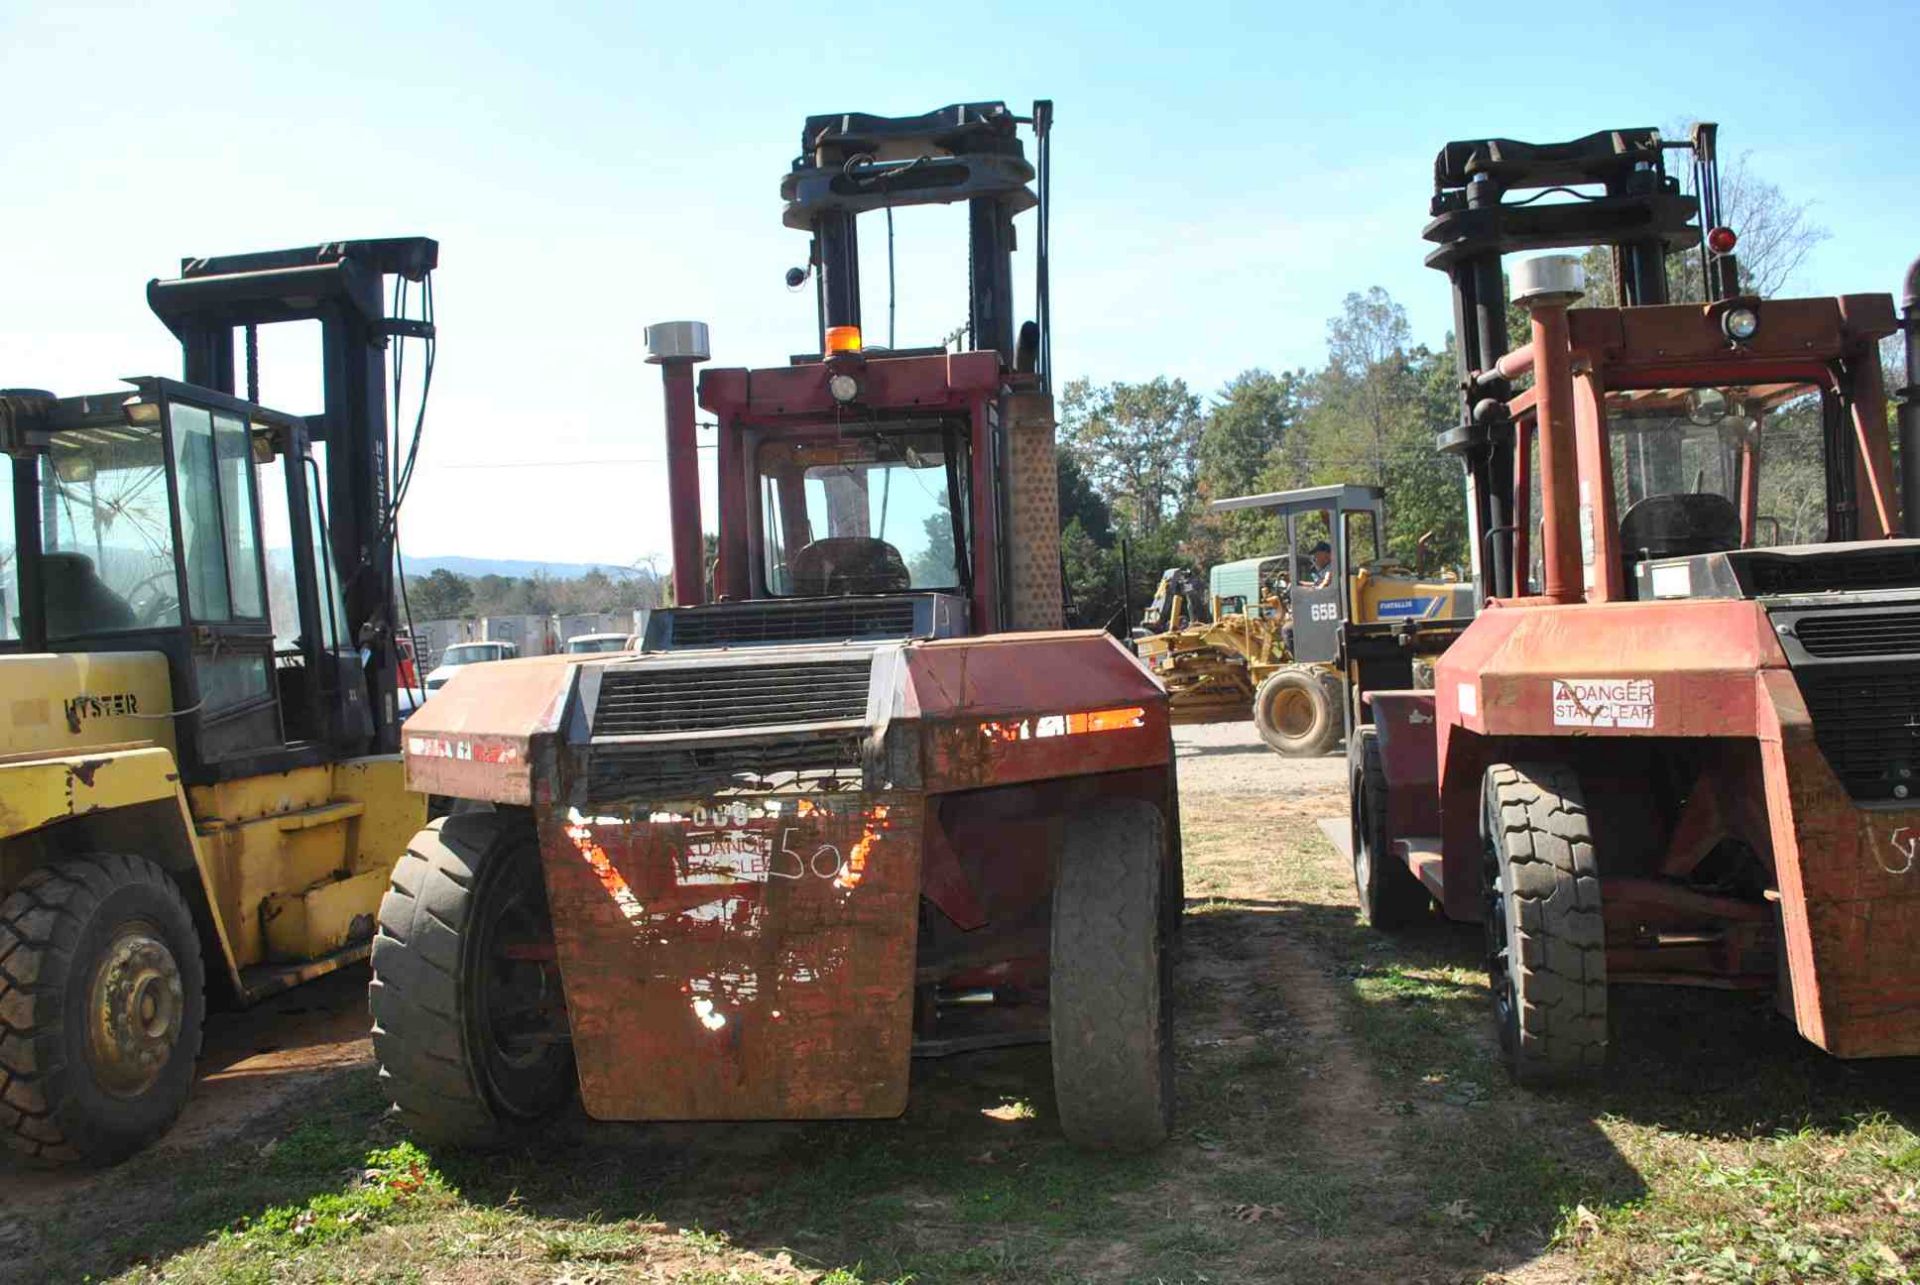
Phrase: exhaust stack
(676, 347)
(1910, 406)
(1545, 287)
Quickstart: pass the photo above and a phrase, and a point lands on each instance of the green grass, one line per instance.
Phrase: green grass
(1341, 1115)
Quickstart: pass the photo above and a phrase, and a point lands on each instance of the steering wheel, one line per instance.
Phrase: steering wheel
(162, 602)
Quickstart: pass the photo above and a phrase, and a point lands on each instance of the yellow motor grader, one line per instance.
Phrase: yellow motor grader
(1271, 639)
(199, 779)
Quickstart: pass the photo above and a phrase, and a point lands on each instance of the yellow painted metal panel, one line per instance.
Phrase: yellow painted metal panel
(252, 797)
(325, 814)
(254, 860)
(37, 792)
(323, 918)
(394, 813)
(58, 704)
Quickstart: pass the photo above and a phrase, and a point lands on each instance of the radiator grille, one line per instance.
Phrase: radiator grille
(1879, 633)
(811, 620)
(1867, 724)
(651, 700)
(1888, 569)
(618, 775)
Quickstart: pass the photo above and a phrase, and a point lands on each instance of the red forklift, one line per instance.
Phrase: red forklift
(860, 795)
(1680, 742)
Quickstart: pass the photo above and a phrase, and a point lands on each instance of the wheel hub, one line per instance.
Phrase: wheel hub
(1293, 713)
(135, 1011)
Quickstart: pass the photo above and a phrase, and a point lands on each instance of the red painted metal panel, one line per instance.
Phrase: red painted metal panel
(1849, 892)
(940, 382)
(1409, 753)
(749, 958)
(1024, 707)
(475, 737)
(1504, 676)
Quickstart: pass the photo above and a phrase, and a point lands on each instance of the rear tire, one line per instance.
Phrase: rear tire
(1111, 981)
(472, 1038)
(102, 1003)
(1546, 940)
(1295, 713)
(1391, 896)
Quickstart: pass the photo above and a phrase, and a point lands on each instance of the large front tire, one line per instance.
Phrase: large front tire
(102, 1003)
(469, 1024)
(1391, 896)
(1295, 712)
(1546, 941)
(1111, 981)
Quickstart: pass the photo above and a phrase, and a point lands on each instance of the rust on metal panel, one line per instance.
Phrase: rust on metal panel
(1025, 707)
(475, 737)
(941, 382)
(744, 957)
(1667, 335)
(1849, 887)
(1541, 671)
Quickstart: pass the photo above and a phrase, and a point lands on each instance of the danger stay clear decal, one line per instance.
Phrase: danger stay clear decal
(1603, 702)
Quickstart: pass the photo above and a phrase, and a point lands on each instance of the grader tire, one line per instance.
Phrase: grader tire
(1111, 981)
(1391, 896)
(470, 1035)
(1295, 713)
(1546, 941)
(102, 1003)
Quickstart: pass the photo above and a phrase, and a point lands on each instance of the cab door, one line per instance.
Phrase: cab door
(235, 713)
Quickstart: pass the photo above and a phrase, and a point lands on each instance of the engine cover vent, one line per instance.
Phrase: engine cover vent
(1867, 722)
(777, 621)
(657, 700)
(1856, 634)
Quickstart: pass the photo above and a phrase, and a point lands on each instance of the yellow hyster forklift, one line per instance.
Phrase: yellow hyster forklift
(198, 770)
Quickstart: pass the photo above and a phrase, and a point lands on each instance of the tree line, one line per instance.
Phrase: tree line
(447, 595)
(1140, 462)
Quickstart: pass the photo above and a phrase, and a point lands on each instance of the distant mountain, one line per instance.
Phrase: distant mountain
(471, 567)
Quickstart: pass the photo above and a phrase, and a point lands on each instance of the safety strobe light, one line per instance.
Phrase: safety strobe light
(1741, 324)
(1722, 240)
(843, 339)
(844, 388)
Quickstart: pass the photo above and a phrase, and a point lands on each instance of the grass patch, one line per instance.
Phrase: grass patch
(1813, 1204)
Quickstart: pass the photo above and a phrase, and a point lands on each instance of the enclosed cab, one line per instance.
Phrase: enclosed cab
(860, 795)
(197, 776)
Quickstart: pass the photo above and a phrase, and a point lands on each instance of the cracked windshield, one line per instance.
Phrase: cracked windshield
(105, 528)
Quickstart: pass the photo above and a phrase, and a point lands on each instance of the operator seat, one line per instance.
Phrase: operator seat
(77, 601)
(848, 564)
(1678, 526)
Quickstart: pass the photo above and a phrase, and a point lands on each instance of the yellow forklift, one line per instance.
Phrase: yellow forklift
(200, 786)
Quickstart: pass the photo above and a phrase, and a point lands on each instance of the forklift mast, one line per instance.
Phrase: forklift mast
(342, 286)
(1640, 213)
(852, 162)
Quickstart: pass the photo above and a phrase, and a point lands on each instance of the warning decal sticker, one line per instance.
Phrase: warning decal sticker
(1603, 702)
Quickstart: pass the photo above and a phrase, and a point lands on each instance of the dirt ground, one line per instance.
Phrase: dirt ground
(1340, 1116)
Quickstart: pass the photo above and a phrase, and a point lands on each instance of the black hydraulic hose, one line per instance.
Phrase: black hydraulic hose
(1907, 425)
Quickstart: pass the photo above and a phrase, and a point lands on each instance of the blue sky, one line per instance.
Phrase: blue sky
(1224, 174)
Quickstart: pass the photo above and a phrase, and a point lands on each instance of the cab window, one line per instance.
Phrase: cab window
(214, 470)
(9, 563)
(860, 515)
(1679, 453)
(106, 533)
